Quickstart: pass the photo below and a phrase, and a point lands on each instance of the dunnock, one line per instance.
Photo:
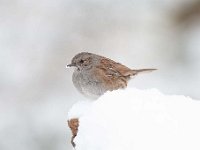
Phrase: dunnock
(94, 74)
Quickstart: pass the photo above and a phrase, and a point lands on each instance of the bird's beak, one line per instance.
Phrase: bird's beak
(71, 65)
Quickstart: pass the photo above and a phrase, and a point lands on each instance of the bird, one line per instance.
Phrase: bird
(94, 75)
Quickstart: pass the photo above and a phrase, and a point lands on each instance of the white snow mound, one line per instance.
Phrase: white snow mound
(134, 119)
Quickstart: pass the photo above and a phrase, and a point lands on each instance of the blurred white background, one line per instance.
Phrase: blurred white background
(39, 37)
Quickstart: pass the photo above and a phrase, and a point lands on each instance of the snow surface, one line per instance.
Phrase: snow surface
(134, 119)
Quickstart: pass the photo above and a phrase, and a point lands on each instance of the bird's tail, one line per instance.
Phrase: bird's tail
(137, 71)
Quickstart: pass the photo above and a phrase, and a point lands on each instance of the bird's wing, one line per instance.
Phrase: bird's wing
(113, 68)
(111, 74)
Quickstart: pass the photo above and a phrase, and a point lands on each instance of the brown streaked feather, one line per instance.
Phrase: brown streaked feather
(115, 68)
(110, 82)
(114, 75)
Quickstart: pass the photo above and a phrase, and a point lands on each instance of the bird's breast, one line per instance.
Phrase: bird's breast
(87, 84)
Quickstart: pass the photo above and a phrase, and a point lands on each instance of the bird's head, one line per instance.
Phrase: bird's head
(82, 61)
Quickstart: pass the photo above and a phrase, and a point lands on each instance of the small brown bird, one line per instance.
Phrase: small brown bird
(94, 74)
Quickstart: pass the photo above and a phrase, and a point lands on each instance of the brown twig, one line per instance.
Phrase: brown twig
(73, 125)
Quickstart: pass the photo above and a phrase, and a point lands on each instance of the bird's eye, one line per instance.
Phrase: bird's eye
(81, 61)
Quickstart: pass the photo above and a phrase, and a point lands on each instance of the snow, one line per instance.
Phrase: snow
(134, 119)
